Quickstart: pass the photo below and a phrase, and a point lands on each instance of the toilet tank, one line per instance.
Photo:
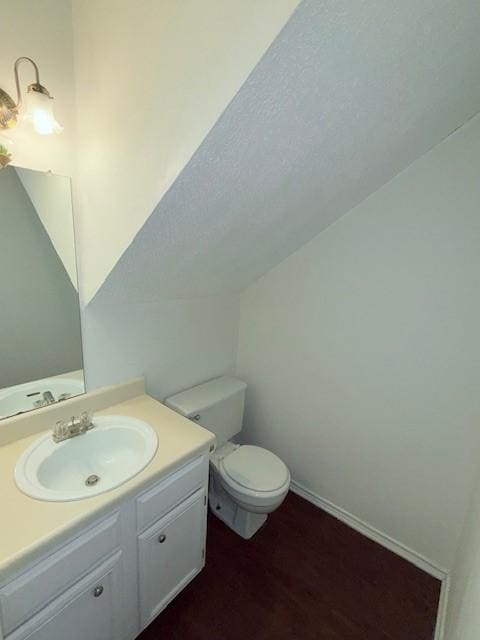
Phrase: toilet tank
(218, 404)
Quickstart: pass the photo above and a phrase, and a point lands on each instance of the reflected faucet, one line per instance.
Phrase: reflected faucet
(48, 397)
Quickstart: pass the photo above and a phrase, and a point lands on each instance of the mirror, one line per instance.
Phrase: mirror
(40, 337)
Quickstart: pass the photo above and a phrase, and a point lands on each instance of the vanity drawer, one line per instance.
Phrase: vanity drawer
(22, 597)
(165, 495)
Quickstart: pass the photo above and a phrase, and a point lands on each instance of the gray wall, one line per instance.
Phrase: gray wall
(39, 321)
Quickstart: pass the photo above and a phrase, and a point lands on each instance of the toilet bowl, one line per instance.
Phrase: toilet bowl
(246, 482)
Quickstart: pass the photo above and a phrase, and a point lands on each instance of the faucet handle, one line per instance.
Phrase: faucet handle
(60, 429)
(86, 420)
(60, 426)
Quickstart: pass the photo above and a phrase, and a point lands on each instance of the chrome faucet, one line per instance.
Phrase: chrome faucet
(75, 427)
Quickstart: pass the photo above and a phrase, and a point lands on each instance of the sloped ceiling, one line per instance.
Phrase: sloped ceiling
(152, 77)
(347, 96)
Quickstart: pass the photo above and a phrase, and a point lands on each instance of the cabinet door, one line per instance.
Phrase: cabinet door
(90, 610)
(171, 553)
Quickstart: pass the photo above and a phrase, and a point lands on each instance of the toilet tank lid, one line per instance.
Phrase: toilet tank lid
(205, 395)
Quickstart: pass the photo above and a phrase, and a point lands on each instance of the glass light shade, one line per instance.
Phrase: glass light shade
(39, 111)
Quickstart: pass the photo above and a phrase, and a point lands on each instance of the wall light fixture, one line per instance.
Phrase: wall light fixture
(38, 105)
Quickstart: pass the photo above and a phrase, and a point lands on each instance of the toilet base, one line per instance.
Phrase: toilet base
(243, 522)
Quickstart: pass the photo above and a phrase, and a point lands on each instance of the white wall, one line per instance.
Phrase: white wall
(42, 30)
(51, 195)
(175, 344)
(463, 612)
(153, 77)
(362, 356)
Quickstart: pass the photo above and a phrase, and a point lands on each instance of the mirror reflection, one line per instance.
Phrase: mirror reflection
(40, 337)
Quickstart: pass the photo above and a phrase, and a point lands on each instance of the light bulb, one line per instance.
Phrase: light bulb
(39, 112)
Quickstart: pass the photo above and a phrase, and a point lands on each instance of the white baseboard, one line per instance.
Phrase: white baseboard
(386, 541)
(371, 532)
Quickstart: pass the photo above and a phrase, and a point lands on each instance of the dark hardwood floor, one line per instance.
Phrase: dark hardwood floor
(304, 576)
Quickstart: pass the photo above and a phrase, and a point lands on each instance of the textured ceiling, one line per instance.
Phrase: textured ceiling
(349, 94)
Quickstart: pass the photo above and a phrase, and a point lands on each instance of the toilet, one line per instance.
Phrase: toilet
(246, 482)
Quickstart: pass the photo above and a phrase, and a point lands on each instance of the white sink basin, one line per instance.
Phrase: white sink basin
(115, 450)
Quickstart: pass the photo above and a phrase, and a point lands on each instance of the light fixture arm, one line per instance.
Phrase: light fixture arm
(37, 86)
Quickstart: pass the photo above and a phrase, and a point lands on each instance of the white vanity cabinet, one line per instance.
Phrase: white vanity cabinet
(109, 581)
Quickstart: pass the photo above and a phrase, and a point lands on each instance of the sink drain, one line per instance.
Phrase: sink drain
(92, 480)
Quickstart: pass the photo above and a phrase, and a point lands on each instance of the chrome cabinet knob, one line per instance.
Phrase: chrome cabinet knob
(97, 592)
(162, 538)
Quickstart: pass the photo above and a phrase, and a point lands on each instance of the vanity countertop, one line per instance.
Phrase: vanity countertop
(30, 527)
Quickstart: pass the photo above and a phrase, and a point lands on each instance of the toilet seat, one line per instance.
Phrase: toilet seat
(254, 469)
(246, 476)
(255, 480)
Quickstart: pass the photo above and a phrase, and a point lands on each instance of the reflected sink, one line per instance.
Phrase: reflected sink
(115, 450)
(22, 397)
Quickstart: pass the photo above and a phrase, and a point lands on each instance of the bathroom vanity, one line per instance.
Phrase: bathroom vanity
(104, 567)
